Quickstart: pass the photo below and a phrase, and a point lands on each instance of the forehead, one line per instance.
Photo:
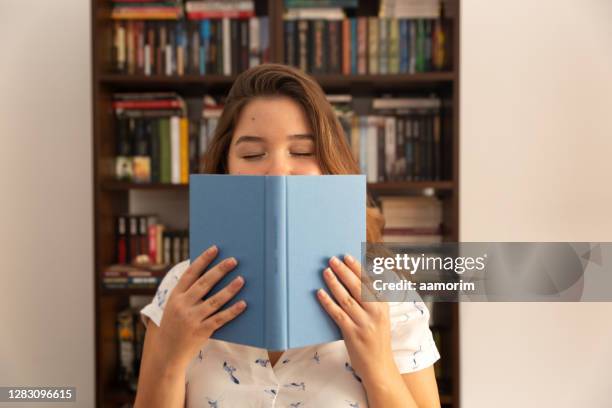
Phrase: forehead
(273, 113)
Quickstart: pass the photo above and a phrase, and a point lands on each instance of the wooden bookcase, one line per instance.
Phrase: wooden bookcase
(112, 197)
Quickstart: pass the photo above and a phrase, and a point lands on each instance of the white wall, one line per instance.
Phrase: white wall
(46, 302)
(536, 136)
(536, 147)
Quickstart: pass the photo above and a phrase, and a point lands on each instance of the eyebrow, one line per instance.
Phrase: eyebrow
(258, 139)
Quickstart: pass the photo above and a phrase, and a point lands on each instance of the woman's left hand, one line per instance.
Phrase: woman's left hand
(365, 326)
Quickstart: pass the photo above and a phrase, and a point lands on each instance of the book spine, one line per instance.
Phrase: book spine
(383, 46)
(346, 48)
(235, 46)
(264, 51)
(362, 46)
(175, 152)
(354, 50)
(303, 45)
(184, 147)
(152, 236)
(276, 324)
(164, 155)
(373, 30)
(254, 48)
(122, 240)
(227, 47)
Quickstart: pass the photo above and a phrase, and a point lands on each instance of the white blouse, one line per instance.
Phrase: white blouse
(226, 374)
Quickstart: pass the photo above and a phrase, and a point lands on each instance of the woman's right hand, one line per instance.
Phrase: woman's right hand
(188, 321)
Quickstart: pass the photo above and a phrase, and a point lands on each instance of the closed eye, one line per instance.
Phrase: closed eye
(253, 156)
(302, 154)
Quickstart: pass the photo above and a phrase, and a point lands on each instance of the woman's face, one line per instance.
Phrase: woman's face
(273, 137)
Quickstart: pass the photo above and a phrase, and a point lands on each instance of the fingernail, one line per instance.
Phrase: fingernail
(231, 262)
(239, 280)
(211, 249)
(241, 304)
(348, 258)
(334, 260)
(328, 272)
(321, 293)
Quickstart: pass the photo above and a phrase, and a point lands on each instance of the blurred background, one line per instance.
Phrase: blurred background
(500, 112)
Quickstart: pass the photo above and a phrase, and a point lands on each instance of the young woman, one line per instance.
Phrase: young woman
(277, 121)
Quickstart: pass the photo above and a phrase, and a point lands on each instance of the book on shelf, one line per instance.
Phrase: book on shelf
(153, 138)
(330, 43)
(144, 248)
(130, 334)
(198, 45)
(282, 243)
(394, 139)
(412, 219)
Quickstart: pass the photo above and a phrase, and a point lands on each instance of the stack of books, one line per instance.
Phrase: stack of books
(414, 220)
(133, 277)
(409, 8)
(146, 10)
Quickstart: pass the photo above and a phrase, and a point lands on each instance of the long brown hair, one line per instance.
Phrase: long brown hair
(331, 147)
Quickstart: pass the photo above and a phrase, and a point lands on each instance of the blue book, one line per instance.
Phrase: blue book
(282, 230)
(404, 33)
(204, 45)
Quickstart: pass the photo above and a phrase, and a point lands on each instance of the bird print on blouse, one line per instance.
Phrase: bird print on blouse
(350, 369)
(296, 404)
(230, 371)
(262, 362)
(352, 404)
(296, 386)
(285, 361)
(414, 359)
(212, 403)
(316, 357)
(201, 356)
(271, 391)
(419, 307)
(161, 297)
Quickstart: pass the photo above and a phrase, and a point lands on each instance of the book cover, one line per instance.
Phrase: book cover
(283, 240)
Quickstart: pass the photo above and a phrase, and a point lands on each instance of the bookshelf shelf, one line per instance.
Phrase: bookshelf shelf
(410, 185)
(327, 81)
(125, 186)
(393, 186)
(111, 197)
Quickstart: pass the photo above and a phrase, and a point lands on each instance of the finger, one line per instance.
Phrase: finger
(209, 279)
(195, 269)
(365, 282)
(353, 264)
(338, 315)
(215, 302)
(210, 325)
(344, 299)
(347, 277)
